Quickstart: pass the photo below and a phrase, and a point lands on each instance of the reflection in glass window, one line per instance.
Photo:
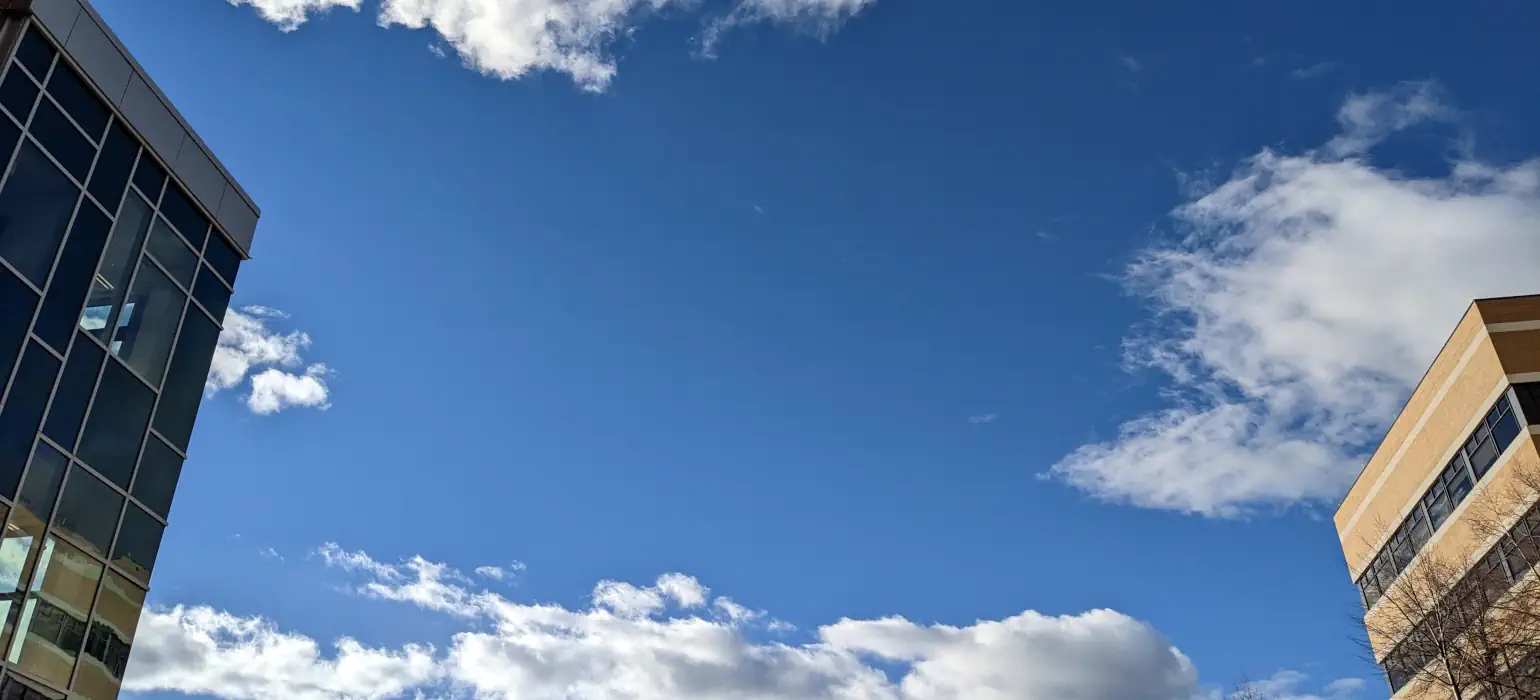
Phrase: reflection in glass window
(110, 638)
(72, 276)
(62, 140)
(145, 341)
(172, 253)
(211, 293)
(89, 511)
(23, 413)
(116, 427)
(18, 555)
(113, 166)
(17, 95)
(49, 628)
(78, 101)
(35, 53)
(112, 275)
(159, 470)
(183, 388)
(138, 543)
(74, 393)
(44, 475)
(35, 206)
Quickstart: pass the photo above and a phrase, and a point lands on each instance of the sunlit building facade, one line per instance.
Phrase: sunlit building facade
(1469, 428)
(120, 239)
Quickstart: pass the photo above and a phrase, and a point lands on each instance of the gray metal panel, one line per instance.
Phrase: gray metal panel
(57, 15)
(99, 58)
(237, 218)
(150, 117)
(199, 174)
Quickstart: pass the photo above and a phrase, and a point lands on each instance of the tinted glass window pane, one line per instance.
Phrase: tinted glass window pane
(1460, 486)
(72, 277)
(184, 215)
(110, 638)
(44, 476)
(211, 293)
(145, 341)
(183, 388)
(167, 247)
(1506, 430)
(159, 470)
(51, 626)
(1482, 458)
(23, 413)
(17, 303)
(74, 393)
(138, 543)
(8, 137)
(35, 208)
(78, 101)
(104, 305)
(148, 177)
(35, 53)
(17, 94)
(222, 258)
(112, 167)
(62, 140)
(89, 510)
(110, 443)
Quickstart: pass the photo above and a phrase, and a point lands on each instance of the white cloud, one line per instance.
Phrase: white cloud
(985, 418)
(274, 390)
(1131, 64)
(500, 573)
(247, 344)
(201, 651)
(270, 553)
(509, 39)
(289, 14)
(1287, 685)
(671, 641)
(1308, 295)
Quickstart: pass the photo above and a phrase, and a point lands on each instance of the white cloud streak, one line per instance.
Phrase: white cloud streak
(1288, 685)
(248, 348)
(669, 640)
(984, 418)
(510, 39)
(1308, 295)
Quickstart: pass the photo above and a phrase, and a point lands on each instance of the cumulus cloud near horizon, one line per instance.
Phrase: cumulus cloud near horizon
(1305, 297)
(511, 39)
(669, 639)
(269, 362)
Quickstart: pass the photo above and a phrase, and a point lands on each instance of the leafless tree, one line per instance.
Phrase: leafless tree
(1460, 622)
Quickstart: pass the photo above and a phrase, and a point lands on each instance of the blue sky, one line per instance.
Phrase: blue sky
(967, 349)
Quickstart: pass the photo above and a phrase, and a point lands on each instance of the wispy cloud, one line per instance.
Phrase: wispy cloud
(1131, 64)
(1290, 685)
(510, 39)
(670, 639)
(501, 573)
(985, 418)
(270, 553)
(1313, 71)
(279, 376)
(1306, 297)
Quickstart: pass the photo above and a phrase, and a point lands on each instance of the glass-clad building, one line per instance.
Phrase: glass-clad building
(120, 240)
